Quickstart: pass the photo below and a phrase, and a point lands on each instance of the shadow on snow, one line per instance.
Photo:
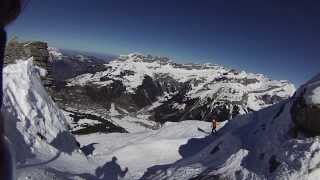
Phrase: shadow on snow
(109, 171)
(192, 147)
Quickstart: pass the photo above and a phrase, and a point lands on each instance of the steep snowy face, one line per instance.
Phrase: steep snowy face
(181, 91)
(265, 144)
(35, 126)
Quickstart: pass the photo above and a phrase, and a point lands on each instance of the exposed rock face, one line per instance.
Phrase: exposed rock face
(16, 50)
(102, 125)
(305, 110)
(23, 50)
(59, 66)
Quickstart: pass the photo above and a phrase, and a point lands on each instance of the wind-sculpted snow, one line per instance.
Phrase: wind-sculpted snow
(35, 126)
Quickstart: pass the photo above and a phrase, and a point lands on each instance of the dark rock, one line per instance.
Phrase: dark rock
(147, 93)
(271, 99)
(273, 164)
(42, 137)
(105, 126)
(16, 50)
(306, 117)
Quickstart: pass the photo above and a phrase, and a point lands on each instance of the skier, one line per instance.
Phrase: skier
(214, 125)
(9, 11)
(111, 170)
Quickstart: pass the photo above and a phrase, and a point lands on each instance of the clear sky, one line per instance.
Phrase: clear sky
(274, 37)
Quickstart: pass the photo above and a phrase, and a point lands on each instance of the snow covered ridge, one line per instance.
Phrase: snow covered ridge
(35, 126)
(182, 87)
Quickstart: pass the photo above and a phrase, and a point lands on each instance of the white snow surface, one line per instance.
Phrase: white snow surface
(141, 150)
(36, 128)
(256, 146)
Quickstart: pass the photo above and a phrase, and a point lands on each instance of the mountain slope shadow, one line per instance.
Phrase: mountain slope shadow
(88, 149)
(64, 142)
(192, 147)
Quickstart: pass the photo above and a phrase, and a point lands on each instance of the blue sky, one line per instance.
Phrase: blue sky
(274, 37)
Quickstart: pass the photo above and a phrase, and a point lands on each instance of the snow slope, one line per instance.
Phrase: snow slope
(139, 151)
(261, 145)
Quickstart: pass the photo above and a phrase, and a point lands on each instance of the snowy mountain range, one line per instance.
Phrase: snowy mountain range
(70, 63)
(154, 87)
(144, 117)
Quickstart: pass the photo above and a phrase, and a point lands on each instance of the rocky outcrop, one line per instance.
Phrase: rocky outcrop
(103, 125)
(16, 50)
(305, 110)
